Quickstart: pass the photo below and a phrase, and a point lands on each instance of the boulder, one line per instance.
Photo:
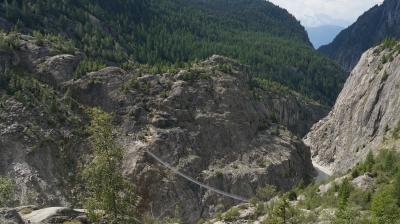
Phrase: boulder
(363, 182)
(10, 216)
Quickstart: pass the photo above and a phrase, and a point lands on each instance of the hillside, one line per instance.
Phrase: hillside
(358, 143)
(369, 193)
(211, 121)
(370, 29)
(167, 34)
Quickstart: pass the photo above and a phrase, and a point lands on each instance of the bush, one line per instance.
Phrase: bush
(346, 215)
(389, 43)
(396, 131)
(6, 191)
(384, 207)
(8, 42)
(232, 214)
(292, 196)
(345, 191)
(88, 65)
(266, 193)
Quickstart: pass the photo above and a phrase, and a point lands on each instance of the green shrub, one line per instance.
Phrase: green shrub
(232, 214)
(8, 42)
(266, 193)
(225, 68)
(6, 191)
(88, 65)
(396, 131)
(384, 207)
(389, 43)
(346, 215)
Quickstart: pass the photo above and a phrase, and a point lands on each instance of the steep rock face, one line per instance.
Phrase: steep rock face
(366, 111)
(208, 123)
(40, 137)
(370, 29)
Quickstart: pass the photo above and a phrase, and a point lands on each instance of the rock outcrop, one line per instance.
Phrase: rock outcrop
(366, 114)
(41, 138)
(10, 216)
(380, 22)
(208, 121)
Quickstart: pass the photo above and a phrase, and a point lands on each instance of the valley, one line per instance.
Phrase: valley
(194, 111)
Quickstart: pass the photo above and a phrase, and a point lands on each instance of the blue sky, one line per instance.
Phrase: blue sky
(326, 12)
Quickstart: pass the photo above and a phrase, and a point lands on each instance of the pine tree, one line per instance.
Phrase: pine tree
(108, 191)
(369, 162)
(384, 207)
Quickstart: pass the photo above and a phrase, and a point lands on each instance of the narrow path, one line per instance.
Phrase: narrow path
(176, 171)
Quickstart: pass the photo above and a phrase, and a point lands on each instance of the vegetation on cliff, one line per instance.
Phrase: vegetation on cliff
(167, 34)
(339, 200)
(107, 190)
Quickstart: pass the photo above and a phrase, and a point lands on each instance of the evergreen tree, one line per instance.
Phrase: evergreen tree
(369, 162)
(384, 207)
(108, 191)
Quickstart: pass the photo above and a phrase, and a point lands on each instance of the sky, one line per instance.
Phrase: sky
(313, 13)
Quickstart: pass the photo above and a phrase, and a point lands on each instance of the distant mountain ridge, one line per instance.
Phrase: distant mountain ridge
(380, 22)
(322, 35)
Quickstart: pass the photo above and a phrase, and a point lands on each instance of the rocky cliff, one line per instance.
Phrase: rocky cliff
(371, 28)
(365, 114)
(209, 121)
(41, 137)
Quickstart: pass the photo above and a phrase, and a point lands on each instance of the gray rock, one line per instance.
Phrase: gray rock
(363, 182)
(209, 125)
(10, 216)
(365, 114)
(52, 215)
(58, 69)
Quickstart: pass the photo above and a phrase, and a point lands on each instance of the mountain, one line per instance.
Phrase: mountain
(359, 141)
(371, 28)
(365, 115)
(211, 121)
(322, 35)
(167, 34)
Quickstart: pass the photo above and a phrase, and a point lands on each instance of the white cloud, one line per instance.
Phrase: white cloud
(326, 12)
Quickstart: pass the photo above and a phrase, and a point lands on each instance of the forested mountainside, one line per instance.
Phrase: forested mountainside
(370, 29)
(167, 34)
